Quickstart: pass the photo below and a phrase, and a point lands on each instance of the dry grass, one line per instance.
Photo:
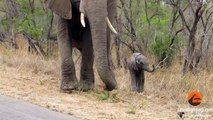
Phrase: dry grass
(167, 83)
(171, 84)
(34, 63)
(167, 86)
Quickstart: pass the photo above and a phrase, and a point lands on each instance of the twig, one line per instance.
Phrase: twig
(158, 66)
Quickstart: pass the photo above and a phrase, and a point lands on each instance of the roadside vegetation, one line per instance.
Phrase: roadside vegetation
(176, 36)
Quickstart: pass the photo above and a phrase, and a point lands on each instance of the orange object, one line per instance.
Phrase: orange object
(194, 98)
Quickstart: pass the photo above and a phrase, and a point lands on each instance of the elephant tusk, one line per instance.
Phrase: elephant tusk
(83, 20)
(111, 26)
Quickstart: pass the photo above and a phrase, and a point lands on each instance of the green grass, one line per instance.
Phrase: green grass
(132, 110)
(107, 96)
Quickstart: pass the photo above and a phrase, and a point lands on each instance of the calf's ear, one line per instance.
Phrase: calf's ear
(62, 8)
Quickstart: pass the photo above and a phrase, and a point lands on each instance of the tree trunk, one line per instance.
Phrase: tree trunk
(190, 51)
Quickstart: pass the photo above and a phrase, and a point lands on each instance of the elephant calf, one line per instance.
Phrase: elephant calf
(137, 65)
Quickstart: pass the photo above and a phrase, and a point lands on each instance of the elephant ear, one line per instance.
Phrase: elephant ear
(62, 8)
(132, 62)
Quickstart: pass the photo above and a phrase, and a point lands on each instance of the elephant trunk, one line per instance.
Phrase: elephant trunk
(98, 26)
(149, 69)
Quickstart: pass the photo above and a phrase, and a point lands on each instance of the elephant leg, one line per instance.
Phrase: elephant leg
(68, 73)
(140, 82)
(133, 80)
(87, 73)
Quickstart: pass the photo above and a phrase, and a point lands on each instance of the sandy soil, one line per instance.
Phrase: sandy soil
(43, 90)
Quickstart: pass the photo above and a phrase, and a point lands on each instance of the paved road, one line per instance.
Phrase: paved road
(11, 109)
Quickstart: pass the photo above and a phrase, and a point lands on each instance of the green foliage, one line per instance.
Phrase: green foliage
(3, 24)
(160, 48)
(104, 95)
(33, 20)
(132, 110)
(160, 33)
(107, 96)
(152, 21)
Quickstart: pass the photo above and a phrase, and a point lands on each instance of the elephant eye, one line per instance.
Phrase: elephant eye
(138, 61)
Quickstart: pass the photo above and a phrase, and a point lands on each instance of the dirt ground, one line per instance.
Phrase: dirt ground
(43, 90)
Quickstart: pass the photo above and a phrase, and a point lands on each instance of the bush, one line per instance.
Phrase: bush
(160, 47)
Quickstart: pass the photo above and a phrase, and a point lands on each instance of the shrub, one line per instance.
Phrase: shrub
(160, 47)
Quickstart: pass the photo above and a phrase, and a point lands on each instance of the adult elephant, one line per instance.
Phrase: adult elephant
(84, 24)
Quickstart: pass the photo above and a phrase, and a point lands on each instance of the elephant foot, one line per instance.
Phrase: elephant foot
(85, 86)
(140, 90)
(68, 85)
(134, 89)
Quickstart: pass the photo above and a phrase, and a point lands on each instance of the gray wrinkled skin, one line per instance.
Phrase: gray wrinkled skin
(93, 41)
(137, 65)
